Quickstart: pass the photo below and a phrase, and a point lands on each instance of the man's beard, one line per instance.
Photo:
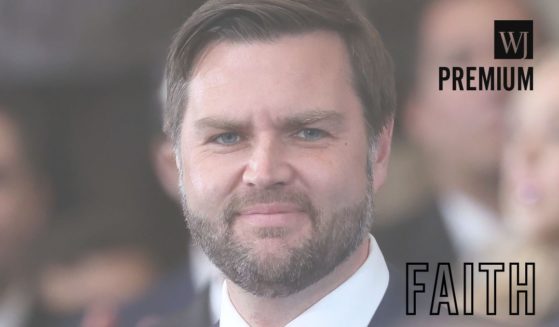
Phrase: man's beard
(333, 240)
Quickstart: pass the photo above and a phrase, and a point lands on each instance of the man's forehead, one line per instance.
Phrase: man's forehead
(219, 57)
(309, 72)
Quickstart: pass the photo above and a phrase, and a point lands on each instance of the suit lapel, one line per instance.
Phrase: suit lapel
(391, 308)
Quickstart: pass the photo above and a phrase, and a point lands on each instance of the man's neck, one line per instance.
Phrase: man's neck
(272, 312)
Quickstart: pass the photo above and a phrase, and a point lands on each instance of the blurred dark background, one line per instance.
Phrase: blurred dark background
(94, 69)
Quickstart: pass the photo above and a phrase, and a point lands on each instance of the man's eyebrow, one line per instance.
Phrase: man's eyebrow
(310, 117)
(292, 122)
(219, 123)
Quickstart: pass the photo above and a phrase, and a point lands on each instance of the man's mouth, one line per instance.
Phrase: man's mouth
(270, 209)
(273, 215)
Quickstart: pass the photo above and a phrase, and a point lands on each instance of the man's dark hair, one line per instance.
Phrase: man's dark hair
(267, 20)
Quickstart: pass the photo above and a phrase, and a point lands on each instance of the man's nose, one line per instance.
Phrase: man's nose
(267, 165)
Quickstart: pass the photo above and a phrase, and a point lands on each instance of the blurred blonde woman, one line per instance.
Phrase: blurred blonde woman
(530, 191)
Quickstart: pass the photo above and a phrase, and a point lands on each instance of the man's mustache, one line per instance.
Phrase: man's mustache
(238, 202)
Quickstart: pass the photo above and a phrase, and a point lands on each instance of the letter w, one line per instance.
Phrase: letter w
(512, 42)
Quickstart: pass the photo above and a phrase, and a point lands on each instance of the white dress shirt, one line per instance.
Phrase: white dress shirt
(353, 303)
(473, 228)
(14, 307)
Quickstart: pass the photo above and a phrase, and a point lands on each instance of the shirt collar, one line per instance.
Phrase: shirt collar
(14, 307)
(353, 303)
(472, 227)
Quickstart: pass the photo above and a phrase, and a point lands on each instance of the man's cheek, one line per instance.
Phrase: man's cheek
(334, 189)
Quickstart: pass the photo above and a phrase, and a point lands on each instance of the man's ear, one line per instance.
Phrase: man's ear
(164, 161)
(382, 155)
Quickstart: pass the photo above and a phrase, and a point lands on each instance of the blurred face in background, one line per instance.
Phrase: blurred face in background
(109, 277)
(460, 130)
(274, 156)
(531, 164)
(22, 198)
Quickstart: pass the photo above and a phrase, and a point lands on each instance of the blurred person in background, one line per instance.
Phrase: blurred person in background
(459, 133)
(97, 58)
(93, 265)
(531, 162)
(188, 284)
(26, 201)
(116, 261)
(197, 271)
(530, 188)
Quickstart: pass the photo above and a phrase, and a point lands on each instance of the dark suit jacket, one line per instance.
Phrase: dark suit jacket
(390, 313)
(423, 237)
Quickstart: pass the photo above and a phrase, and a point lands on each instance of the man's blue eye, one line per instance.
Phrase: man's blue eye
(310, 134)
(228, 138)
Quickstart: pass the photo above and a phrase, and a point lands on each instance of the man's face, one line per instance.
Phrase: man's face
(22, 202)
(461, 129)
(273, 157)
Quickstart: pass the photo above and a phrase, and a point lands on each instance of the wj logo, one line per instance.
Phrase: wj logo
(514, 39)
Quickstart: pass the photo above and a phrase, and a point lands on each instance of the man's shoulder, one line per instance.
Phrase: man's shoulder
(392, 309)
(392, 306)
(424, 216)
(419, 237)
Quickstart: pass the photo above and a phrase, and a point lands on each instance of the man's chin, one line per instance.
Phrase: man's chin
(270, 274)
(266, 242)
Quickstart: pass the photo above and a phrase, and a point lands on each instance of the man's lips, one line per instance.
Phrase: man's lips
(270, 209)
(273, 215)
